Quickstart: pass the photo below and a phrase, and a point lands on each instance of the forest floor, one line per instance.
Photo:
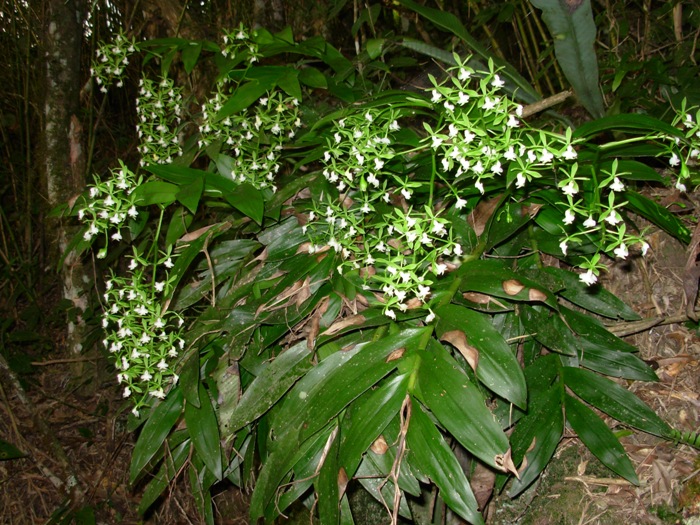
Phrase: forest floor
(69, 425)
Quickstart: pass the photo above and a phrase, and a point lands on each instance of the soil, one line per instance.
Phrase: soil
(66, 425)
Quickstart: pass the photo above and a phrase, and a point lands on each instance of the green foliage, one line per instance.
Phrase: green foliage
(364, 292)
(574, 33)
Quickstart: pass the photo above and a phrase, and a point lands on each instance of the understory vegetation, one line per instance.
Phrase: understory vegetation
(319, 275)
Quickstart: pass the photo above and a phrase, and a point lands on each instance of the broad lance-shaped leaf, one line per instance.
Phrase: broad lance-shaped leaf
(367, 417)
(536, 437)
(204, 431)
(327, 483)
(156, 429)
(317, 398)
(490, 277)
(451, 23)
(431, 454)
(172, 464)
(573, 30)
(461, 408)
(616, 401)
(270, 385)
(497, 367)
(599, 439)
(597, 300)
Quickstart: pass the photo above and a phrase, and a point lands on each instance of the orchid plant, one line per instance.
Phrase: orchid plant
(307, 275)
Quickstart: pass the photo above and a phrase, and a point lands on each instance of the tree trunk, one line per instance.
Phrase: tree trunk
(62, 156)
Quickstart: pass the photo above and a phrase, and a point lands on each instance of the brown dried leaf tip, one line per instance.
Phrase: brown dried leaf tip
(505, 463)
(458, 339)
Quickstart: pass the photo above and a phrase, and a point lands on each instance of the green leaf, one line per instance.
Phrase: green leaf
(190, 194)
(374, 47)
(201, 481)
(536, 437)
(317, 398)
(459, 406)
(616, 401)
(657, 214)
(189, 249)
(204, 432)
(178, 225)
(190, 55)
(595, 299)
(599, 439)
(180, 175)
(154, 432)
(431, 454)
(9, 451)
(155, 192)
(289, 83)
(491, 278)
(593, 332)
(228, 387)
(643, 124)
(244, 197)
(497, 369)
(266, 389)
(327, 485)
(312, 77)
(549, 330)
(367, 418)
(450, 23)
(612, 363)
(244, 96)
(189, 379)
(574, 32)
(172, 464)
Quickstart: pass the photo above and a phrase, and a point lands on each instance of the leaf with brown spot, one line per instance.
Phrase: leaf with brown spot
(342, 482)
(479, 218)
(513, 286)
(355, 320)
(414, 303)
(304, 292)
(531, 210)
(458, 339)
(379, 446)
(189, 237)
(396, 354)
(477, 298)
(536, 295)
(480, 298)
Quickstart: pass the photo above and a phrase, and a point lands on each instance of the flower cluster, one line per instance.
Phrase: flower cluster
(600, 218)
(142, 338)
(159, 110)
(399, 255)
(111, 61)
(254, 138)
(481, 136)
(357, 154)
(238, 43)
(141, 335)
(111, 203)
(682, 157)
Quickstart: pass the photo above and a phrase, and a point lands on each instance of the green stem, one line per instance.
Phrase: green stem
(632, 140)
(432, 181)
(154, 246)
